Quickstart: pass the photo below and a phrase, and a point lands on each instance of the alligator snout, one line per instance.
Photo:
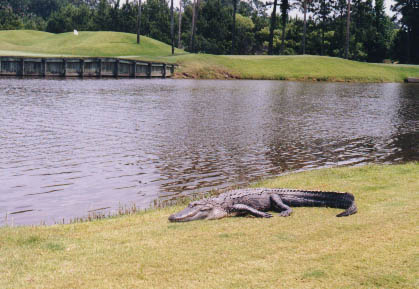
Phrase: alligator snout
(172, 218)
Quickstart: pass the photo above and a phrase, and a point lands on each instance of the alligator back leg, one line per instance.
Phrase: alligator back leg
(241, 208)
(278, 205)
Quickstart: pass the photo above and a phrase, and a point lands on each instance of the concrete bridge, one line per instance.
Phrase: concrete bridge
(82, 67)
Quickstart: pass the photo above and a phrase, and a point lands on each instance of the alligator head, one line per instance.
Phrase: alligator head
(199, 210)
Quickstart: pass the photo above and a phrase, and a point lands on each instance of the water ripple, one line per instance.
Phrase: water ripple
(70, 147)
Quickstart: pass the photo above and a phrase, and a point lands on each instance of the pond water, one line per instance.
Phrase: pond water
(70, 147)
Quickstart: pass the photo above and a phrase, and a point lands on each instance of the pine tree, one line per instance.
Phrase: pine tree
(285, 7)
(272, 28)
(407, 14)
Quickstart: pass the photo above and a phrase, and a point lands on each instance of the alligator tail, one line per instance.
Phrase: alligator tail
(352, 209)
(303, 198)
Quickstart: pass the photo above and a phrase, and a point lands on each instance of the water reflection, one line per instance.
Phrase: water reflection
(73, 146)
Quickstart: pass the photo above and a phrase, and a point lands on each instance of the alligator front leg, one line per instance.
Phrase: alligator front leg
(278, 205)
(247, 209)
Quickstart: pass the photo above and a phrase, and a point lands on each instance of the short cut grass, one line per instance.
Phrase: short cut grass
(200, 66)
(376, 248)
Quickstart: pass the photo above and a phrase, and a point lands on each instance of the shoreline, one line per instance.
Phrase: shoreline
(374, 248)
(101, 44)
(303, 79)
(306, 68)
(224, 67)
(23, 66)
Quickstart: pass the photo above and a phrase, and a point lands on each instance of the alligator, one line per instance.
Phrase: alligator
(258, 202)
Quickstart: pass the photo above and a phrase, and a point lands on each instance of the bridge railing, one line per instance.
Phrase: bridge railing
(82, 67)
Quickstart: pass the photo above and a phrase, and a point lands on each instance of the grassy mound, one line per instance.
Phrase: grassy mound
(200, 66)
(376, 248)
(111, 44)
(299, 67)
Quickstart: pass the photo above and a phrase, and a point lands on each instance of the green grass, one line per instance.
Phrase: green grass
(200, 66)
(376, 248)
(307, 67)
(105, 44)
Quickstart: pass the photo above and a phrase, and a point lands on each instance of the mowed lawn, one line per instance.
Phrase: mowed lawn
(200, 66)
(93, 44)
(295, 67)
(375, 248)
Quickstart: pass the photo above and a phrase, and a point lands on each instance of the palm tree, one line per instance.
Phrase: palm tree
(172, 27)
(305, 25)
(139, 22)
(285, 7)
(233, 35)
(340, 6)
(348, 24)
(194, 18)
(271, 28)
(305, 8)
(179, 38)
(322, 11)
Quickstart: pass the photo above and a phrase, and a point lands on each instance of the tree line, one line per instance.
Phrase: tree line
(354, 29)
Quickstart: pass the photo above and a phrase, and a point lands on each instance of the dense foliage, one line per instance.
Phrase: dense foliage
(373, 37)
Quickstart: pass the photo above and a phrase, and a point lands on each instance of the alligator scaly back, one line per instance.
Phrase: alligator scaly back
(258, 202)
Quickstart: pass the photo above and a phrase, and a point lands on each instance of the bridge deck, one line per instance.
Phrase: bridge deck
(82, 67)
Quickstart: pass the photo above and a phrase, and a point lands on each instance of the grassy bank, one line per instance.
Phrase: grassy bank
(200, 66)
(376, 248)
(94, 44)
(317, 68)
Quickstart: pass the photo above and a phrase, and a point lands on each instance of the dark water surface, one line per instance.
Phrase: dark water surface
(68, 147)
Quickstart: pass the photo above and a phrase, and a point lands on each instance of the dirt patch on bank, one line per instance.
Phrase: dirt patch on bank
(203, 72)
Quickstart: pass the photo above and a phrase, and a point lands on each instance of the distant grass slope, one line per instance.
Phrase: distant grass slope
(375, 248)
(27, 43)
(307, 67)
(200, 66)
